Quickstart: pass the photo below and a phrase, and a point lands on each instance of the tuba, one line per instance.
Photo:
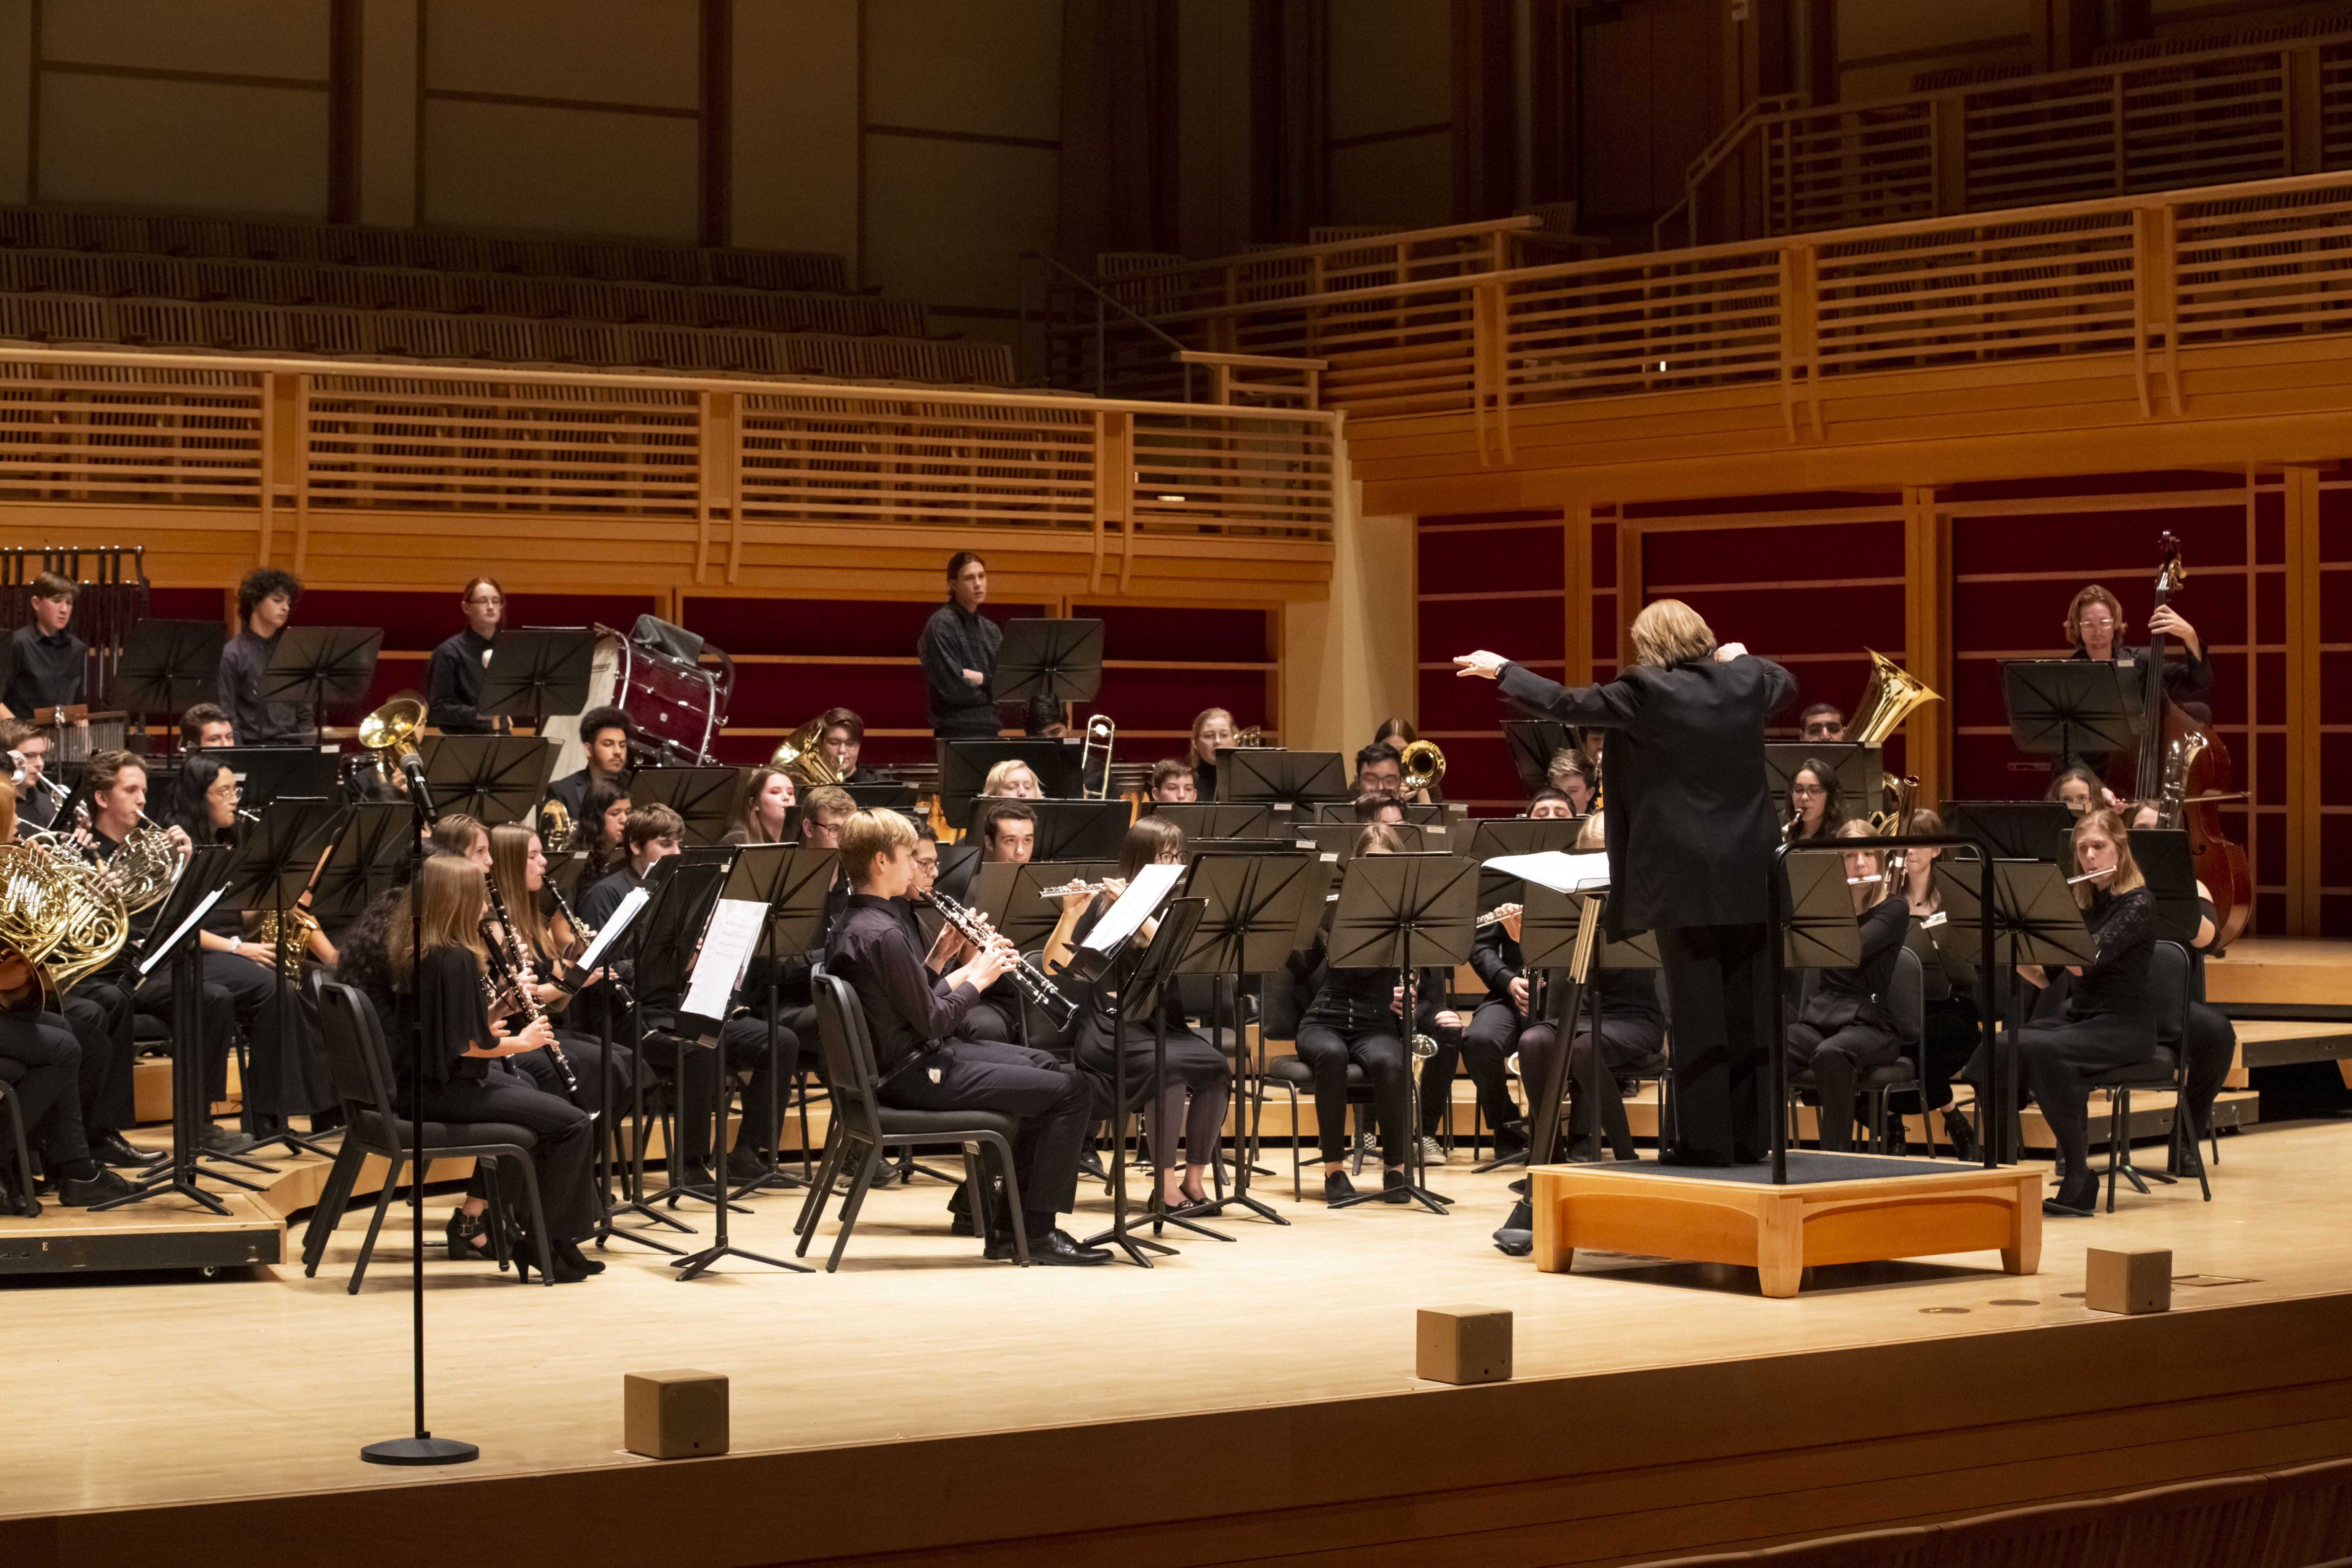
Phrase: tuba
(1253, 736)
(802, 754)
(391, 732)
(555, 828)
(1889, 698)
(1422, 763)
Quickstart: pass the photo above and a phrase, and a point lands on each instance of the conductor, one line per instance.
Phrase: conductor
(1690, 834)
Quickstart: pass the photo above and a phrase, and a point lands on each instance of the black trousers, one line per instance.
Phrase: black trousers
(565, 1154)
(2060, 1061)
(1836, 1057)
(2212, 1044)
(1628, 1045)
(1719, 993)
(48, 1096)
(1189, 1103)
(586, 1055)
(1054, 1104)
(743, 1044)
(1954, 1031)
(99, 1013)
(1483, 1051)
(287, 1070)
(1326, 1051)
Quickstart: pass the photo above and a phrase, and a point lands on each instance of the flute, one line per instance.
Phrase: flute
(2091, 875)
(1067, 889)
(1496, 916)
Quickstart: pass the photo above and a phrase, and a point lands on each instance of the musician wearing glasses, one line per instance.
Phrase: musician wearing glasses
(1213, 728)
(47, 663)
(265, 603)
(1379, 770)
(453, 680)
(605, 736)
(912, 1016)
(841, 734)
(1816, 810)
(958, 649)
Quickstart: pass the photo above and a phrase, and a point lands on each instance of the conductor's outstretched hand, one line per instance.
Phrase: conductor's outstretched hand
(1482, 663)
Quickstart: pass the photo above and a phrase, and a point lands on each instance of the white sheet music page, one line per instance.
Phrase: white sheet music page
(1143, 894)
(727, 947)
(637, 898)
(1557, 869)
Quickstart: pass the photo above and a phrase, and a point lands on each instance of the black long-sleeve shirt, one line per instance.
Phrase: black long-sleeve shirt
(2115, 982)
(260, 723)
(907, 1008)
(452, 683)
(1841, 996)
(43, 671)
(956, 639)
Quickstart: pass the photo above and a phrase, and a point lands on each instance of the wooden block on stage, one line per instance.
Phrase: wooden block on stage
(2127, 1282)
(1886, 1208)
(1463, 1344)
(681, 1414)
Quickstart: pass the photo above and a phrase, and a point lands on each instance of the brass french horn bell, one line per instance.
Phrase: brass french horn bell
(391, 732)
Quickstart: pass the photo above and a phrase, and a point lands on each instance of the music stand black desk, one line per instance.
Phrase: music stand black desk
(1406, 912)
(1012, 900)
(882, 797)
(167, 668)
(568, 868)
(172, 940)
(322, 667)
(368, 859)
(494, 779)
(1292, 779)
(1859, 770)
(1491, 837)
(1211, 819)
(1533, 743)
(685, 887)
(705, 798)
(535, 672)
(2070, 706)
(1059, 660)
(1254, 906)
(1139, 998)
(964, 766)
(2013, 829)
(1417, 813)
(793, 880)
(1066, 829)
(265, 774)
(2162, 856)
(275, 864)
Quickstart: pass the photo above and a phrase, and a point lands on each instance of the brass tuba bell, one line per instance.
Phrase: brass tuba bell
(1893, 692)
(1423, 764)
(391, 732)
(802, 754)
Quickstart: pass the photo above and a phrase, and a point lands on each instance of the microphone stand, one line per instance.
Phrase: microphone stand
(423, 1448)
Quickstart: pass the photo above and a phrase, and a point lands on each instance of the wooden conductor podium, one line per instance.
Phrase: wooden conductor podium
(1835, 1208)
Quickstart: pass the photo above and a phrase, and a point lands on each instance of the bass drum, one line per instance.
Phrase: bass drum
(676, 702)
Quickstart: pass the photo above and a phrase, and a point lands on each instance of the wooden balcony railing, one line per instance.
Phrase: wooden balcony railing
(291, 438)
(2143, 276)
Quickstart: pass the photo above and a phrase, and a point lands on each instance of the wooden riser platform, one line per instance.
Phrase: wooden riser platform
(2282, 972)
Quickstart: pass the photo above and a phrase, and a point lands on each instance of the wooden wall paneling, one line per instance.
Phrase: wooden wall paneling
(2305, 742)
(1928, 640)
(1577, 594)
(2333, 655)
(1496, 581)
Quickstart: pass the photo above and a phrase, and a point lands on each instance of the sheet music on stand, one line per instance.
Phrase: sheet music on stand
(632, 904)
(727, 944)
(1150, 887)
(1559, 869)
(157, 951)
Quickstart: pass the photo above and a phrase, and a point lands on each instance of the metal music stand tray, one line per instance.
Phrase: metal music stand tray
(2012, 829)
(168, 666)
(320, 666)
(1405, 912)
(274, 866)
(793, 880)
(535, 672)
(2068, 707)
(1255, 908)
(494, 779)
(1059, 660)
(205, 873)
(882, 797)
(1211, 820)
(705, 797)
(1284, 778)
(1140, 997)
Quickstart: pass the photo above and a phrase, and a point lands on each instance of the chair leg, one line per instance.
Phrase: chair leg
(376, 1222)
(327, 1212)
(2118, 1109)
(812, 1206)
(497, 1213)
(866, 1164)
(537, 1221)
(1002, 1152)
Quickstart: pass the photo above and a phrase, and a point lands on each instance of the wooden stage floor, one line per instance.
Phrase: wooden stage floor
(1267, 1379)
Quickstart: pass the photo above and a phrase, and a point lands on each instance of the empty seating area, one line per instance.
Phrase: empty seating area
(222, 285)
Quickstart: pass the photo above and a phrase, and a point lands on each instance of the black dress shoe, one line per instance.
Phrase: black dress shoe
(2075, 1200)
(567, 1255)
(1393, 1186)
(218, 1139)
(1055, 1249)
(82, 1195)
(744, 1164)
(113, 1148)
(1963, 1134)
(1337, 1188)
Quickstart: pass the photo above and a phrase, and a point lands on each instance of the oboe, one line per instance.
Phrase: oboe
(517, 967)
(1033, 982)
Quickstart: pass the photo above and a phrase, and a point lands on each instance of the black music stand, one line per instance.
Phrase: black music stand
(1282, 778)
(1859, 771)
(1059, 660)
(1012, 898)
(1816, 915)
(1255, 906)
(1533, 743)
(274, 866)
(369, 858)
(494, 779)
(1209, 819)
(964, 764)
(319, 666)
(686, 890)
(172, 940)
(2070, 706)
(2162, 856)
(2034, 913)
(1338, 839)
(265, 774)
(1066, 829)
(2013, 829)
(794, 880)
(882, 797)
(168, 666)
(1495, 836)
(1406, 912)
(1433, 815)
(705, 798)
(608, 1128)
(536, 672)
(1139, 998)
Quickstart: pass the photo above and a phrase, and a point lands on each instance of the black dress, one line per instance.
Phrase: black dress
(2105, 1023)
(1843, 1023)
(1196, 1071)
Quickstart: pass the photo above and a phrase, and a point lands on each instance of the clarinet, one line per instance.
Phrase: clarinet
(587, 935)
(510, 957)
(1031, 981)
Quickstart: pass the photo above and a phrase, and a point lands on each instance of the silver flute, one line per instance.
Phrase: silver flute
(1033, 982)
(1067, 889)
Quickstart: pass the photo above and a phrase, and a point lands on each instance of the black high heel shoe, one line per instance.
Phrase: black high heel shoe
(561, 1274)
(569, 1256)
(461, 1230)
(1962, 1133)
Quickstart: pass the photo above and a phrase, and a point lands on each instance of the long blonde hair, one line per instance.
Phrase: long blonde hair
(2128, 874)
(510, 864)
(1865, 894)
(450, 890)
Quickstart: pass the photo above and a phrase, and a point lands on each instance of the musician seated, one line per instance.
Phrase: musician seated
(1952, 1026)
(1821, 722)
(28, 748)
(455, 833)
(1173, 782)
(651, 834)
(604, 735)
(828, 808)
(1012, 779)
(1843, 1025)
(265, 603)
(45, 1077)
(1008, 836)
(1042, 719)
(1379, 770)
(2078, 789)
(1212, 728)
(206, 728)
(46, 662)
(602, 830)
(519, 871)
(1816, 808)
(911, 1016)
(1572, 776)
(1483, 1048)
(841, 735)
(1400, 733)
(453, 679)
(1197, 1073)
(1380, 807)
(2212, 1041)
(1353, 1017)
(760, 817)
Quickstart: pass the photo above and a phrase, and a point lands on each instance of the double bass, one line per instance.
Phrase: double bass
(2183, 766)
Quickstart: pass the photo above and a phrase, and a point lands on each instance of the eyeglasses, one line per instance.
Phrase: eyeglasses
(1807, 789)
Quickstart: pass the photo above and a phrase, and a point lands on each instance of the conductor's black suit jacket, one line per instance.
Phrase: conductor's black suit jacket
(1688, 817)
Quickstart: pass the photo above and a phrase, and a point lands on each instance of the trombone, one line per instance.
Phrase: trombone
(1101, 732)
